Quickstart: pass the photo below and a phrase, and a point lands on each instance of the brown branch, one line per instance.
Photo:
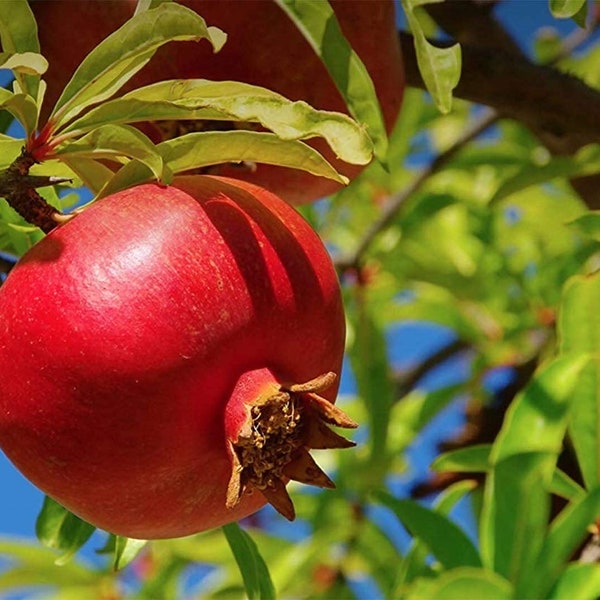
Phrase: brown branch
(19, 189)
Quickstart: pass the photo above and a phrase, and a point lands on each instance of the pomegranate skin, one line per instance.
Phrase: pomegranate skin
(263, 48)
(124, 332)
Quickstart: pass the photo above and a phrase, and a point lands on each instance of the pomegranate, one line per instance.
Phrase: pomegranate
(169, 356)
(263, 48)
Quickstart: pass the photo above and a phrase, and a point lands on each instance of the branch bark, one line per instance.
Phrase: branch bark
(561, 110)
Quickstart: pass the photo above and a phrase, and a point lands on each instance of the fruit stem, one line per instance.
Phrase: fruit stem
(19, 189)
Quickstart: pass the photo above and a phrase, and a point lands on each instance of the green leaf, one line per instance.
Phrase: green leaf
(110, 141)
(581, 581)
(445, 540)
(466, 583)
(566, 534)
(569, 9)
(29, 63)
(579, 332)
(415, 562)
(588, 224)
(123, 550)
(439, 67)
(586, 161)
(116, 59)
(61, 530)
(537, 419)
(18, 34)
(233, 101)
(202, 149)
(319, 25)
(257, 580)
(516, 501)
(22, 107)
(472, 459)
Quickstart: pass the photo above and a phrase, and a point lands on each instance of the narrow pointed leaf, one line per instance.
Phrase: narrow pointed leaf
(18, 34)
(319, 25)
(21, 107)
(202, 149)
(92, 173)
(445, 540)
(516, 500)
(233, 101)
(255, 573)
(579, 331)
(439, 67)
(61, 530)
(110, 141)
(116, 59)
(566, 534)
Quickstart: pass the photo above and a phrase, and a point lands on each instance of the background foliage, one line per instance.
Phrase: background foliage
(480, 237)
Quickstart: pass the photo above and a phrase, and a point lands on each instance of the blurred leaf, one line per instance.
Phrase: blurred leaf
(319, 25)
(581, 581)
(472, 459)
(61, 530)
(122, 550)
(588, 224)
(370, 365)
(255, 573)
(466, 583)
(233, 101)
(579, 332)
(117, 58)
(569, 9)
(445, 540)
(110, 141)
(586, 161)
(202, 149)
(566, 534)
(18, 35)
(439, 67)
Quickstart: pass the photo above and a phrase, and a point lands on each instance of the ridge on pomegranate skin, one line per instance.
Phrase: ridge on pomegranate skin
(151, 345)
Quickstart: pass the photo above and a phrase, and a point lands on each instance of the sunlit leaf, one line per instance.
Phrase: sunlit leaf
(202, 149)
(439, 67)
(18, 35)
(116, 59)
(566, 534)
(466, 583)
(111, 141)
(578, 580)
(255, 572)
(22, 107)
(61, 530)
(445, 540)
(233, 101)
(28, 63)
(569, 9)
(319, 25)
(122, 550)
(516, 500)
(579, 331)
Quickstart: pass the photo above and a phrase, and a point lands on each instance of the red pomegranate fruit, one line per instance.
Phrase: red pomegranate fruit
(263, 48)
(169, 356)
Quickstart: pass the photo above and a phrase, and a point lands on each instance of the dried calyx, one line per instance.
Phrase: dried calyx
(273, 444)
